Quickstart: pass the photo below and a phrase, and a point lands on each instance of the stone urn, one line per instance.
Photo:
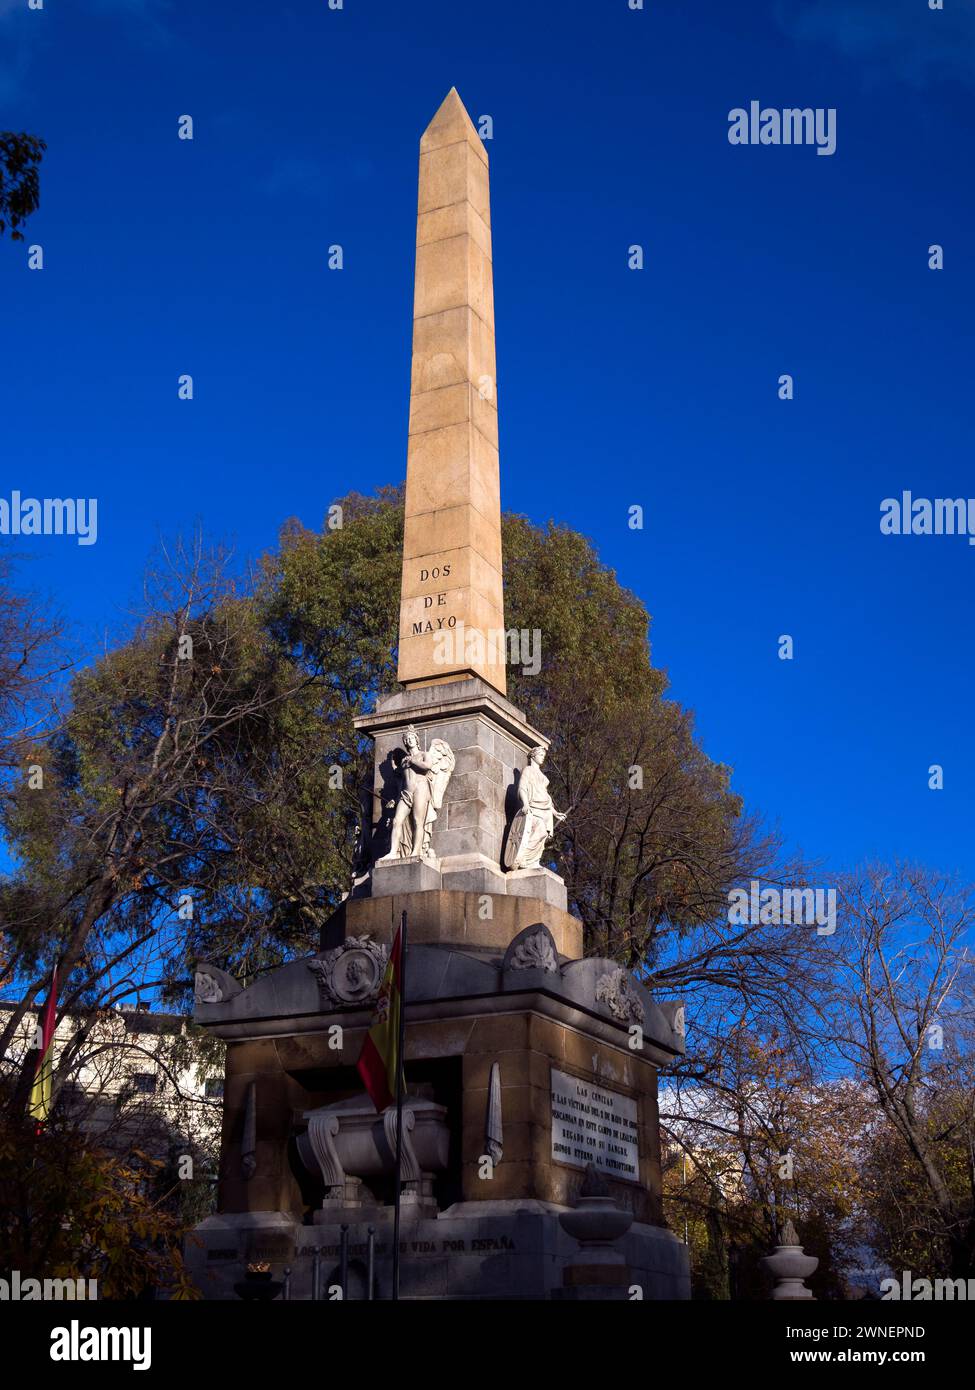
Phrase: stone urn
(595, 1220)
(789, 1266)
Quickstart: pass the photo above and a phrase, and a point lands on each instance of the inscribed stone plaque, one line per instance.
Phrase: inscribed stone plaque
(593, 1125)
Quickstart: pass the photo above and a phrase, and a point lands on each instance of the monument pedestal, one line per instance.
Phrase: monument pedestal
(491, 744)
(398, 876)
(540, 884)
(474, 1250)
(520, 1077)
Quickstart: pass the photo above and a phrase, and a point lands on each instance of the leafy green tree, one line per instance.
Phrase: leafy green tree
(906, 1224)
(151, 782)
(762, 1142)
(900, 1017)
(20, 188)
(334, 601)
(656, 837)
(236, 776)
(74, 1211)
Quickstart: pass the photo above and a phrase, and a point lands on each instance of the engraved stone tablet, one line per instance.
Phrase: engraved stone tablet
(593, 1125)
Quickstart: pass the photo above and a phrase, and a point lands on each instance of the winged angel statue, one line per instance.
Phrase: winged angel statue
(423, 778)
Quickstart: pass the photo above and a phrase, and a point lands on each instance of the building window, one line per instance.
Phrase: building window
(144, 1082)
(213, 1089)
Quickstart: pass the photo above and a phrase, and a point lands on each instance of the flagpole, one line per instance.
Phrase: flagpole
(401, 1054)
(48, 1017)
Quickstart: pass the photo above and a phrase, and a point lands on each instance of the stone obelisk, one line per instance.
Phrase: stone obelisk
(453, 724)
(451, 611)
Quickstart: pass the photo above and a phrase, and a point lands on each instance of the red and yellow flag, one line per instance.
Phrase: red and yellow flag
(379, 1061)
(39, 1107)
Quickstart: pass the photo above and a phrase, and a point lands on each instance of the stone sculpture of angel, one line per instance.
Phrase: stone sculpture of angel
(423, 778)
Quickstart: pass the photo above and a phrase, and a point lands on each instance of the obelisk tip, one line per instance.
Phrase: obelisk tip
(450, 124)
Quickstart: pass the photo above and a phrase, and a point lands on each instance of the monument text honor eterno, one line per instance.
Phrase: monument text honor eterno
(531, 1154)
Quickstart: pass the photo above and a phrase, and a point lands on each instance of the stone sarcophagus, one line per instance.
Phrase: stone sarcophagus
(347, 1145)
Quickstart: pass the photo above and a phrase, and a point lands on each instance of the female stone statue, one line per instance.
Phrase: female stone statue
(534, 825)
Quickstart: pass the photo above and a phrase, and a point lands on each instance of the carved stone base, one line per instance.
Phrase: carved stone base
(491, 742)
(475, 1250)
(472, 873)
(449, 918)
(406, 876)
(340, 1214)
(350, 1195)
(593, 1293)
(415, 1205)
(537, 883)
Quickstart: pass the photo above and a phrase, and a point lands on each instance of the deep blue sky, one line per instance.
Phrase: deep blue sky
(616, 387)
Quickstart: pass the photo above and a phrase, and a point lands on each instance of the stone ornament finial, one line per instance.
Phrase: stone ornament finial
(594, 1183)
(790, 1236)
(595, 1220)
(789, 1266)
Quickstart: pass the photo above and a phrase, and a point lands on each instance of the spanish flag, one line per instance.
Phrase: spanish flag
(39, 1107)
(380, 1059)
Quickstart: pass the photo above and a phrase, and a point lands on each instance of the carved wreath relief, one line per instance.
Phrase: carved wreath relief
(616, 990)
(206, 989)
